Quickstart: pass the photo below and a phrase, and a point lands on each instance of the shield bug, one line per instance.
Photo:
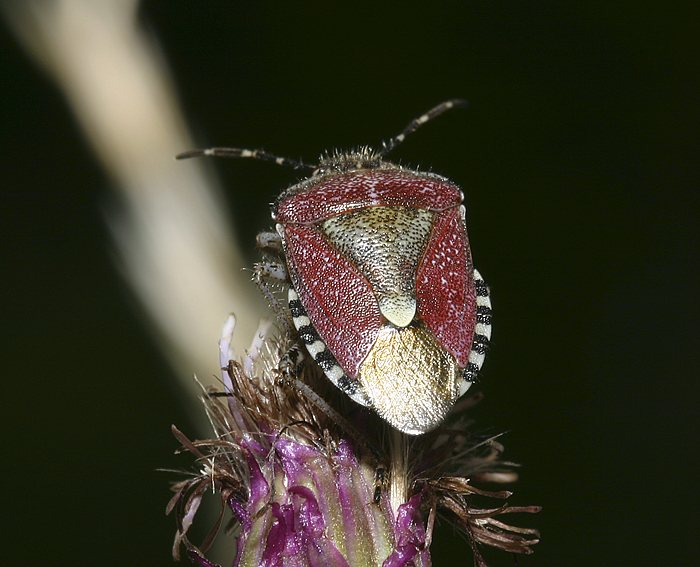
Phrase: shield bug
(382, 288)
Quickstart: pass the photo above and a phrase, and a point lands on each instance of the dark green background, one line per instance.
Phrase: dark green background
(578, 157)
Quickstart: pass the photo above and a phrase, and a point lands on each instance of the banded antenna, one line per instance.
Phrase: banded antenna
(416, 123)
(387, 146)
(261, 155)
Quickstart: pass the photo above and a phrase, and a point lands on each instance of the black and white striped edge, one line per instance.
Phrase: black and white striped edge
(320, 353)
(482, 334)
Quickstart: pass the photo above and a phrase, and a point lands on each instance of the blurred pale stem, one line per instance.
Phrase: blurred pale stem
(398, 488)
(174, 241)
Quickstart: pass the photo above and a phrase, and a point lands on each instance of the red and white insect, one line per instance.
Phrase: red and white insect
(382, 288)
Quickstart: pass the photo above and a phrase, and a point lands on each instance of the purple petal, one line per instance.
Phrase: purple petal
(323, 553)
(321, 511)
(309, 515)
(251, 541)
(360, 516)
(276, 538)
(410, 536)
(241, 513)
(259, 487)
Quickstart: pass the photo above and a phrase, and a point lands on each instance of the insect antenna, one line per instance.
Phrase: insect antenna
(241, 153)
(416, 123)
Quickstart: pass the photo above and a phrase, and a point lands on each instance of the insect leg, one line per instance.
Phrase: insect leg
(270, 242)
(380, 482)
(291, 364)
(266, 275)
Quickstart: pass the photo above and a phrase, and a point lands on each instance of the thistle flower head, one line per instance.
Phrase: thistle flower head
(308, 481)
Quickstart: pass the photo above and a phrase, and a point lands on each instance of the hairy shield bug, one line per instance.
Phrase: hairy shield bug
(382, 288)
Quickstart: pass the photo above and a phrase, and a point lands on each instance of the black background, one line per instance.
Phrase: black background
(578, 157)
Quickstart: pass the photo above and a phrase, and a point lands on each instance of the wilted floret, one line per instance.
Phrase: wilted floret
(303, 486)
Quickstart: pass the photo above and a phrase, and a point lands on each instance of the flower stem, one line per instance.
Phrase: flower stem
(398, 489)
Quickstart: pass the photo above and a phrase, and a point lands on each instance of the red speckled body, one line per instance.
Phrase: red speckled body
(336, 295)
(383, 292)
(365, 188)
(445, 286)
(339, 299)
